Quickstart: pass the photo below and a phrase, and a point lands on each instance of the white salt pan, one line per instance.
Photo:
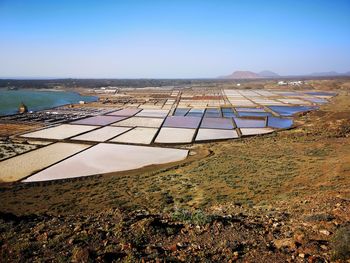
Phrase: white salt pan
(107, 158)
(26, 164)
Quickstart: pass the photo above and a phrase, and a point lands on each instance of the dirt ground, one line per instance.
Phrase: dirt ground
(8, 129)
(283, 197)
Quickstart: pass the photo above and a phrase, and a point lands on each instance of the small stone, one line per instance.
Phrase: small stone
(312, 259)
(173, 247)
(301, 255)
(299, 237)
(324, 247)
(287, 242)
(181, 245)
(275, 224)
(325, 232)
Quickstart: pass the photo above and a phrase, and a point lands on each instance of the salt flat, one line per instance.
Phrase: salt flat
(215, 134)
(60, 132)
(125, 112)
(106, 158)
(138, 135)
(141, 122)
(153, 113)
(182, 122)
(23, 165)
(102, 134)
(101, 120)
(175, 135)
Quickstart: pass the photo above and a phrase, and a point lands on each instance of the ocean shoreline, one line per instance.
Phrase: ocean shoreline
(51, 98)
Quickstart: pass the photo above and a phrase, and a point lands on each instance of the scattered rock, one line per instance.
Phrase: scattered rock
(324, 247)
(325, 232)
(172, 247)
(299, 237)
(320, 217)
(287, 242)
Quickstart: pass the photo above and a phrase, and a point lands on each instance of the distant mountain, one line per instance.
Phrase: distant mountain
(242, 75)
(268, 74)
(325, 74)
(250, 75)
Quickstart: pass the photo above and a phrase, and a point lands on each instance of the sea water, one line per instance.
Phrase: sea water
(37, 100)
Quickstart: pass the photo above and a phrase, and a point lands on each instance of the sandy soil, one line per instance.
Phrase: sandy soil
(7, 129)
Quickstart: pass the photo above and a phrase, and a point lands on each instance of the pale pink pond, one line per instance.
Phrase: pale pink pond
(99, 120)
(107, 158)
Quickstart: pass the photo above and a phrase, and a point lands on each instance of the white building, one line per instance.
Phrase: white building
(282, 83)
(296, 83)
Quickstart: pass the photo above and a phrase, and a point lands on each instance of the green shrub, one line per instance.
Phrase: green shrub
(198, 217)
(341, 243)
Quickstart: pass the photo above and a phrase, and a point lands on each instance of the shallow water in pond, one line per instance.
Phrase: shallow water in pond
(290, 110)
(280, 123)
(253, 114)
(180, 112)
(321, 93)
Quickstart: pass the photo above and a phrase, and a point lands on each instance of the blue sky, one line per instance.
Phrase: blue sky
(171, 39)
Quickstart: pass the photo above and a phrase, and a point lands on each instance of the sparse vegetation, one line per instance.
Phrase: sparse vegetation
(341, 243)
(198, 217)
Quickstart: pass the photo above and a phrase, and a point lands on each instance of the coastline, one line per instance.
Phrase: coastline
(72, 97)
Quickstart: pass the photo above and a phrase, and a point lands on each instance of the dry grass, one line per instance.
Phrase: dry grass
(7, 129)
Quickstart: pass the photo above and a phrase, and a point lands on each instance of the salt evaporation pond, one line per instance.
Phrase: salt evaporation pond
(291, 110)
(321, 93)
(280, 123)
(37, 100)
